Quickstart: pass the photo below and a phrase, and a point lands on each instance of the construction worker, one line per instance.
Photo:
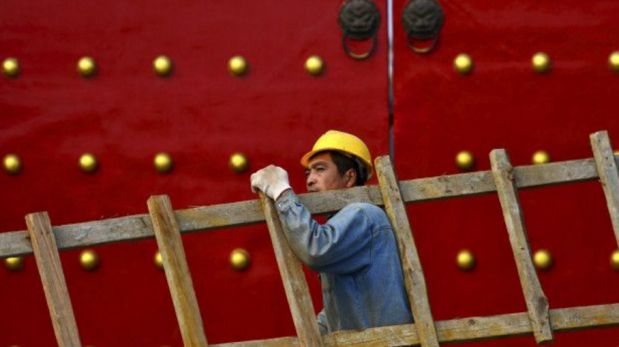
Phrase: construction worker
(355, 251)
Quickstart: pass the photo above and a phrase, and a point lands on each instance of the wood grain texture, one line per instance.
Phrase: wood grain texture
(536, 301)
(417, 190)
(411, 265)
(240, 213)
(52, 277)
(293, 277)
(609, 176)
(461, 329)
(176, 270)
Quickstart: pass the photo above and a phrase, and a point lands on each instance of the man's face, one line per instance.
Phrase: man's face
(322, 175)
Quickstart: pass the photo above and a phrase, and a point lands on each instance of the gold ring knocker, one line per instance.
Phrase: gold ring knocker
(359, 21)
(422, 21)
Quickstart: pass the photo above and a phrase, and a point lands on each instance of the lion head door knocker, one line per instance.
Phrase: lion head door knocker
(359, 20)
(422, 21)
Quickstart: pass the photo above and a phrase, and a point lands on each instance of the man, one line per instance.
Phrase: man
(355, 250)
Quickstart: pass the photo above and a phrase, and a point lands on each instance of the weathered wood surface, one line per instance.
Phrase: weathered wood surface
(536, 301)
(461, 329)
(54, 284)
(248, 212)
(293, 277)
(176, 270)
(411, 265)
(609, 176)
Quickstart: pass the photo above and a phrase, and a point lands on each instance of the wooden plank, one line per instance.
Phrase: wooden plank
(293, 277)
(54, 284)
(460, 330)
(215, 217)
(204, 218)
(607, 170)
(411, 265)
(177, 271)
(537, 303)
(482, 182)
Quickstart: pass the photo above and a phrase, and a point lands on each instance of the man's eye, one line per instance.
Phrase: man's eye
(307, 172)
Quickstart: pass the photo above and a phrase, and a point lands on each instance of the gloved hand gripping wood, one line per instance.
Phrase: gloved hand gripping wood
(271, 180)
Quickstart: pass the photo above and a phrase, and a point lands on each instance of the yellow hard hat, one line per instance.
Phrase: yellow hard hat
(334, 140)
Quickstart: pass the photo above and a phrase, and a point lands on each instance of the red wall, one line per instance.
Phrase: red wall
(503, 103)
(201, 114)
(50, 115)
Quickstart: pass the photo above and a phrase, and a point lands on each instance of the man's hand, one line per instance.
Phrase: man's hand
(272, 181)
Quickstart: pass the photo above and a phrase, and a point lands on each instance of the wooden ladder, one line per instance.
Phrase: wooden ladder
(166, 226)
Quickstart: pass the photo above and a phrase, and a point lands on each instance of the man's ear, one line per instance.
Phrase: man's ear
(350, 178)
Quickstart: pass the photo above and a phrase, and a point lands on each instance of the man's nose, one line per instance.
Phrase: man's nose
(310, 180)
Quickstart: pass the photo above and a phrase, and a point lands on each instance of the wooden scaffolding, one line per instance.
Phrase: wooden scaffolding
(166, 225)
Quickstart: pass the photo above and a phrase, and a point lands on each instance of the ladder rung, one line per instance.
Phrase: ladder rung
(607, 170)
(411, 265)
(536, 301)
(176, 270)
(52, 278)
(466, 329)
(293, 277)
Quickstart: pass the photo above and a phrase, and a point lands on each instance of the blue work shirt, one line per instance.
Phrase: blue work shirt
(357, 256)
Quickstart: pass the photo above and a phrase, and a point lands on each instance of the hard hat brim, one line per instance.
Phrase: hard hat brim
(306, 158)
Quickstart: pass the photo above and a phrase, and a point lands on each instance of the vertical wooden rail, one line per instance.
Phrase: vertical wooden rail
(176, 270)
(607, 170)
(52, 278)
(295, 285)
(411, 265)
(536, 301)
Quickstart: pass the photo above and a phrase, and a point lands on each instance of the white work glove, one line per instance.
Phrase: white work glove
(272, 181)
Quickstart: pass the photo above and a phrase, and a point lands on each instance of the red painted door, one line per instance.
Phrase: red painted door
(503, 103)
(200, 114)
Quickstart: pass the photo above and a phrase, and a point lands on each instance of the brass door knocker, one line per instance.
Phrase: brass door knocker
(359, 20)
(422, 21)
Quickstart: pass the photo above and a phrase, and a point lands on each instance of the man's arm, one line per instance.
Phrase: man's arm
(321, 319)
(341, 245)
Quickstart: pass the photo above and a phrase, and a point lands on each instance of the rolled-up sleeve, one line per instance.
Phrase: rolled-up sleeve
(342, 245)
